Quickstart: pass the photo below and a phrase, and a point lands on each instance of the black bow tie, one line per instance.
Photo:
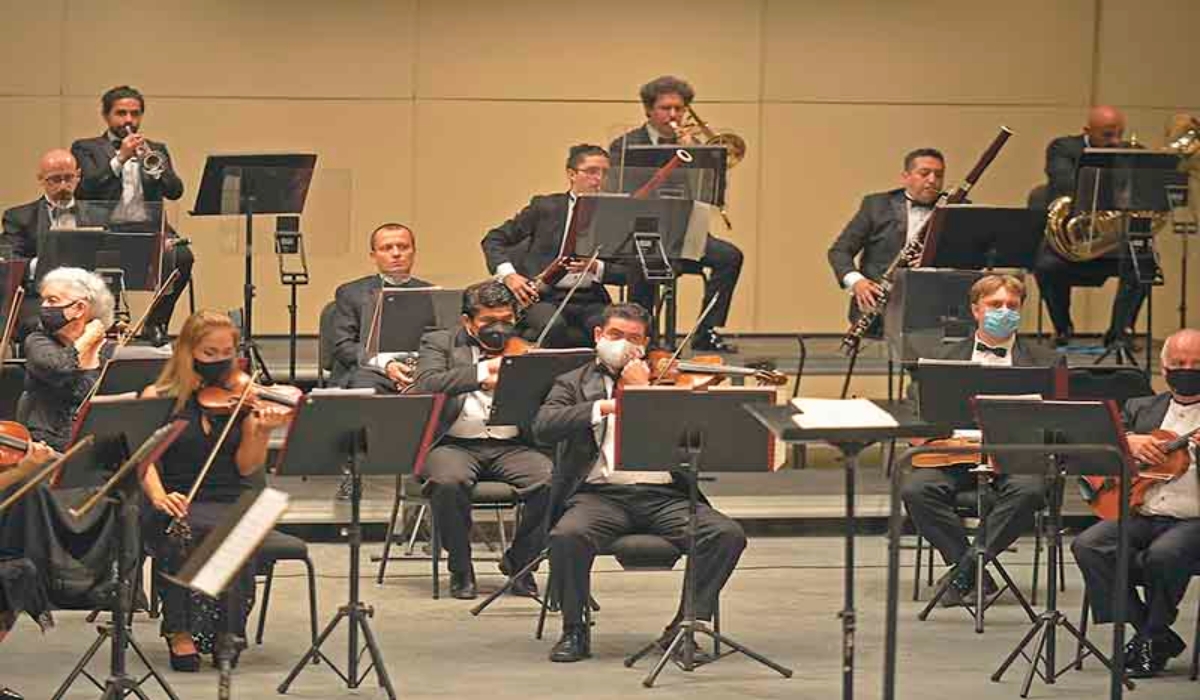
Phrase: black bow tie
(918, 205)
(998, 352)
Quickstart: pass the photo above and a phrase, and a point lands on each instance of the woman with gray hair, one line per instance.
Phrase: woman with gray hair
(63, 355)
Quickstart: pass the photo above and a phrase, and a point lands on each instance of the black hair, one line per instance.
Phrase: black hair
(121, 92)
(922, 153)
(666, 85)
(580, 151)
(628, 312)
(391, 226)
(489, 294)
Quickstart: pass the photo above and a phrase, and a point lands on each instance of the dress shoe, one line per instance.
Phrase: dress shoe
(524, 585)
(462, 585)
(708, 340)
(573, 646)
(184, 663)
(1062, 340)
(10, 694)
(699, 655)
(1146, 657)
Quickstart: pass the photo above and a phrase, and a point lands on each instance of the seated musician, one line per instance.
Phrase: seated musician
(465, 366)
(884, 223)
(929, 493)
(1164, 531)
(595, 502)
(113, 173)
(1055, 274)
(393, 251)
(665, 100)
(522, 247)
(24, 588)
(204, 356)
(63, 356)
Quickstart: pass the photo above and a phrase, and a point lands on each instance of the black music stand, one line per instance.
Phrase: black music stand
(945, 393)
(850, 441)
(703, 179)
(980, 237)
(134, 256)
(130, 374)
(403, 314)
(246, 185)
(1055, 427)
(689, 433)
(114, 424)
(369, 434)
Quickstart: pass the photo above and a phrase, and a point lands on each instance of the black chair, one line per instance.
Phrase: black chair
(12, 386)
(1135, 577)
(280, 547)
(325, 343)
(487, 495)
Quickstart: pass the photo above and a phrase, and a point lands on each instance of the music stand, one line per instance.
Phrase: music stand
(1058, 429)
(403, 314)
(703, 179)
(980, 237)
(525, 380)
(114, 421)
(946, 391)
(689, 433)
(372, 434)
(130, 374)
(131, 256)
(112, 452)
(246, 185)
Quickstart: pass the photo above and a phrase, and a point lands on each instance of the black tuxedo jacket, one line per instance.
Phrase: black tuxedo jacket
(1062, 158)
(565, 421)
(637, 137)
(875, 236)
(354, 305)
(1024, 354)
(99, 182)
(23, 223)
(1145, 413)
(532, 239)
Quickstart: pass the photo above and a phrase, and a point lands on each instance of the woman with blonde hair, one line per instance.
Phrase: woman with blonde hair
(204, 355)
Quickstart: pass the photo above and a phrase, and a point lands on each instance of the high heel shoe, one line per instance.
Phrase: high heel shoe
(184, 663)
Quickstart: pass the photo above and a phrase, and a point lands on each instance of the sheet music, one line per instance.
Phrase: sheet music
(241, 542)
(841, 413)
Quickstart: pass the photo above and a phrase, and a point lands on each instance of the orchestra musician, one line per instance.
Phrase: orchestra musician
(883, 224)
(520, 248)
(393, 250)
(464, 365)
(114, 174)
(63, 355)
(1055, 275)
(929, 493)
(595, 502)
(204, 356)
(665, 100)
(1164, 531)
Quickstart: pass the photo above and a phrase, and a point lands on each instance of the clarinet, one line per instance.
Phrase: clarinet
(910, 255)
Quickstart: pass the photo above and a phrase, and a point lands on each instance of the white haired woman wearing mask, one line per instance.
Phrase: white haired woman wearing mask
(63, 356)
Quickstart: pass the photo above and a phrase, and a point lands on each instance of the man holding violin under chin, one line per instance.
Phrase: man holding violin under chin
(1164, 528)
(465, 366)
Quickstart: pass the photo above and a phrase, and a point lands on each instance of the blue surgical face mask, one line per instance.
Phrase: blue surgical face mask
(1001, 323)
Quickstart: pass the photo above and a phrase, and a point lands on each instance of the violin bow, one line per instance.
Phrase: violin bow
(666, 366)
(212, 456)
(10, 324)
(567, 299)
(45, 472)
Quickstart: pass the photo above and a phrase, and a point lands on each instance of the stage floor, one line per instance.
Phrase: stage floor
(782, 602)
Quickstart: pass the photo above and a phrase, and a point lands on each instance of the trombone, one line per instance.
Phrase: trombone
(693, 129)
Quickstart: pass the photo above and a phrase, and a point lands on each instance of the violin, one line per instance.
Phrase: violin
(14, 443)
(225, 400)
(1103, 493)
(703, 371)
(937, 460)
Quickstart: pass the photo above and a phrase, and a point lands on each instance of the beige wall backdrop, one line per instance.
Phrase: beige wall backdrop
(449, 114)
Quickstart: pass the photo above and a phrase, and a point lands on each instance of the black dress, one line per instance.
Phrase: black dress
(55, 386)
(183, 610)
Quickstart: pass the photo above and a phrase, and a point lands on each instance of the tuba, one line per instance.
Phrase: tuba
(693, 129)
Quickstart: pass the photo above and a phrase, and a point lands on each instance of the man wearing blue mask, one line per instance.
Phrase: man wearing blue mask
(929, 494)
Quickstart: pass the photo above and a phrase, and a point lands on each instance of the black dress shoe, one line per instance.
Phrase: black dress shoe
(524, 585)
(708, 340)
(10, 694)
(184, 663)
(462, 585)
(699, 655)
(1146, 657)
(573, 646)
(1062, 340)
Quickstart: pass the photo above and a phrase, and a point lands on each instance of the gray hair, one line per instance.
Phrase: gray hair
(87, 286)
(1180, 336)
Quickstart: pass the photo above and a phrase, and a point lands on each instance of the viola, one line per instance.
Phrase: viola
(1103, 493)
(937, 460)
(703, 371)
(223, 400)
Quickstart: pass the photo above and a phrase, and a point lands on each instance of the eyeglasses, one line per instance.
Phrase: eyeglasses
(61, 179)
(593, 172)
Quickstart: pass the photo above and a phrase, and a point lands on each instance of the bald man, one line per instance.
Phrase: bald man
(1056, 276)
(1164, 531)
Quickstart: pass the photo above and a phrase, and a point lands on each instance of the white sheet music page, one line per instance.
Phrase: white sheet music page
(841, 413)
(243, 539)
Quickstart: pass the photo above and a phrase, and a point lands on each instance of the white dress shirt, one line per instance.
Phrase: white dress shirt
(132, 206)
(472, 421)
(505, 269)
(991, 359)
(917, 216)
(1179, 498)
(61, 216)
(605, 471)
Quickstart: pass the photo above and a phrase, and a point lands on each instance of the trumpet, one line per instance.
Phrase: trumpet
(153, 162)
(693, 129)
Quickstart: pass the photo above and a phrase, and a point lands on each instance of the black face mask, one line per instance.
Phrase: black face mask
(494, 335)
(1185, 382)
(211, 373)
(53, 318)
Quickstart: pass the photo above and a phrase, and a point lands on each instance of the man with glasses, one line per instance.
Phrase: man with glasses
(520, 248)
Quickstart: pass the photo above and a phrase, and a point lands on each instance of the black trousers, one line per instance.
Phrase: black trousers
(1163, 553)
(1056, 277)
(455, 466)
(929, 496)
(574, 326)
(723, 259)
(598, 514)
(176, 258)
